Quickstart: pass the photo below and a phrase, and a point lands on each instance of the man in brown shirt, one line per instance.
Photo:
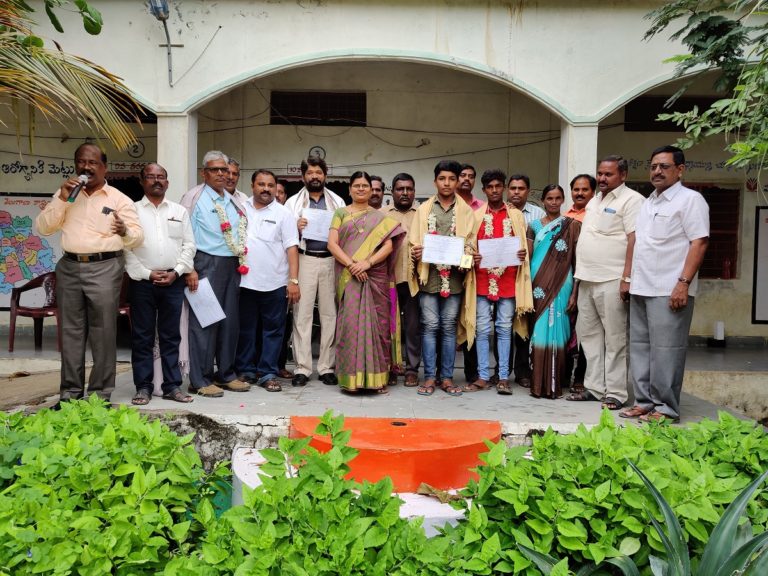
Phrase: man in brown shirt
(95, 228)
(403, 210)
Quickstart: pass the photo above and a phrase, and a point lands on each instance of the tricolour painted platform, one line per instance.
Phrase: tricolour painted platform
(410, 451)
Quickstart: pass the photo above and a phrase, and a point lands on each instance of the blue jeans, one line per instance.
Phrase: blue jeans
(265, 312)
(439, 315)
(505, 312)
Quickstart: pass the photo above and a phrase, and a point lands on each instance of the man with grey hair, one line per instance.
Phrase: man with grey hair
(219, 226)
(603, 270)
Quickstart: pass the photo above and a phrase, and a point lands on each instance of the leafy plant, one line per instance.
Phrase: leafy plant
(89, 490)
(731, 548)
(577, 497)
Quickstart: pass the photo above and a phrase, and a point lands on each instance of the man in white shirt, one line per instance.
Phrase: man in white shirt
(672, 234)
(156, 269)
(603, 270)
(233, 178)
(270, 285)
(316, 277)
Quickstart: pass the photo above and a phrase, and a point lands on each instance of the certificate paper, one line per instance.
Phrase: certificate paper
(442, 249)
(204, 303)
(318, 223)
(498, 252)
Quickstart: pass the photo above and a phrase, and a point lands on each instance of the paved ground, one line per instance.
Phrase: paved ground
(519, 412)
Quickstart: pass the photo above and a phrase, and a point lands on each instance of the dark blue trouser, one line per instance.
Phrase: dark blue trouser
(156, 308)
(264, 311)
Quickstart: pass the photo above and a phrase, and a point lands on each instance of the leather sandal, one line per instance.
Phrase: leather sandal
(428, 388)
(447, 386)
(141, 398)
(411, 380)
(634, 412)
(476, 386)
(503, 387)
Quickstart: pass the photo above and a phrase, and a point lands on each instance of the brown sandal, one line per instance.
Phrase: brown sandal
(141, 398)
(411, 380)
(634, 412)
(271, 386)
(447, 386)
(476, 386)
(178, 396)
(503, 387)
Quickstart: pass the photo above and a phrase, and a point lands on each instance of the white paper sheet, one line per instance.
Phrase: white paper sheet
(442, 249)
(204, 303)
(499, 252)
(318, 223)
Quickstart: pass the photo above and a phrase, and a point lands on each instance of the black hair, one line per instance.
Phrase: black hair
(263, 171)
(402, 176)
(360, 174)
(491, 175)
(465, 166)
(622, 163)
(447, 166)
(522, 177)
(677, 154)
(314, 161)
(549, 187)
(592, 181)
(103, 154)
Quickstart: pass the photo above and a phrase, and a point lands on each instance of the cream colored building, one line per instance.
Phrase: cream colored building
(538, 87)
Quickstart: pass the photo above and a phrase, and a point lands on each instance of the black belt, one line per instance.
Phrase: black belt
(97, 257)
(315, 254)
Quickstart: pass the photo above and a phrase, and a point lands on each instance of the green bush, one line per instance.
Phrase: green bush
(89, 490)
(577, 497)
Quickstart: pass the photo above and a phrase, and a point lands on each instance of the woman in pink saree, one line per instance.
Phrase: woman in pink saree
(364, 242)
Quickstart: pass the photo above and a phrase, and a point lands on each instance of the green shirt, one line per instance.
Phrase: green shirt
(443, 219)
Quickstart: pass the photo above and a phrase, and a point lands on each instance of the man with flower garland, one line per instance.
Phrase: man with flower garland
(446, 293)
(219, 225)
(507, 289)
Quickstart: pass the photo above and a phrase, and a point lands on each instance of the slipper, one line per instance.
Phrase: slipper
(582, 396)
(476, 386)
(634, 412)
(271, 385)
(503, 387)
(178, 396)
(427, 389)
(447, 386)
(382, 391)
(411, 380)
(141, 398)
(611, 404)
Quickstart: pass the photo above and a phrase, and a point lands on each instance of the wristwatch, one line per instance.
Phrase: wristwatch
(684, 280)
(294, 281)
(627, 279)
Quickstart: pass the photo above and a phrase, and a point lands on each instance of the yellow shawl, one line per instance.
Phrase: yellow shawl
(523, 293)
(465, 227)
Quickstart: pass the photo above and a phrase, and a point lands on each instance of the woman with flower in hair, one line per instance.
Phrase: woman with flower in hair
(364, 242)
(554, 249)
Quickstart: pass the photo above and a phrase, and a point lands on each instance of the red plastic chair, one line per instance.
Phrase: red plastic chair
(46, 281)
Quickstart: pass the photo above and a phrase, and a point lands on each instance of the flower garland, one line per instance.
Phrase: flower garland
(495, 274)
(238, 248)
(444, 270)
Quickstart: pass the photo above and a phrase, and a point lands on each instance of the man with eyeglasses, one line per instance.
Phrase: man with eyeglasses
(671, 238)
(96, 226)
(403, 210)
(157, 270)
(218, 223)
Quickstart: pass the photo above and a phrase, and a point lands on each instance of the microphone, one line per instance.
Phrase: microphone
(83, 178)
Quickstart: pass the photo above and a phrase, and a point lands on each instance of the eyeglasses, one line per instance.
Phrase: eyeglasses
(663, 167)
(360, 186)
(218, 169)
(154, 178)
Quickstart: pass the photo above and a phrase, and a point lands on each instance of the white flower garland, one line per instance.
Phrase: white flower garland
(238, 248)
(495, 274)
(444, 270)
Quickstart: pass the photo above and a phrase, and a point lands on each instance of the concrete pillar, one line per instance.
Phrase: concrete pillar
(177, 151)
(578, 154)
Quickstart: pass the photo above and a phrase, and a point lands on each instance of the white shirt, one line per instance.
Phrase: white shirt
(602, 248)
(169, 242)
(271, 231)
(666, 226)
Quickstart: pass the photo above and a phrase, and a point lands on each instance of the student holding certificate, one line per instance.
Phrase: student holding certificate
(505, 287)
(441, 236)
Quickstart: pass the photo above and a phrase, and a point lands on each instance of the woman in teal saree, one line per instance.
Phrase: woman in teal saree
(364, 242)
(552, 264)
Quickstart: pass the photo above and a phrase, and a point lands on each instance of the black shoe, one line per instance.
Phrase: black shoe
(329, 379)
(299, 380)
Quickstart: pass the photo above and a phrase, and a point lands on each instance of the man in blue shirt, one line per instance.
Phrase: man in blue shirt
(218, 223)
